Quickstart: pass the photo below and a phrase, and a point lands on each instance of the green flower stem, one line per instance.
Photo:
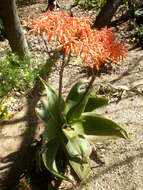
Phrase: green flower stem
(61, 84)
(84, 95)
(61, 81)
(45, 43)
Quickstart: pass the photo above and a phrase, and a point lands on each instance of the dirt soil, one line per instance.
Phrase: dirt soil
(118, 163)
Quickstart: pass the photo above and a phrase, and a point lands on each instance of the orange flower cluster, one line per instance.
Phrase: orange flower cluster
(76, 36)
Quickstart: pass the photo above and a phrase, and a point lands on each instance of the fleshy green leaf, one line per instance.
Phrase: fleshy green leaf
(72, 150)
(81, 169)
(85, 147)
(49, 157)
(74, 95)
(73, 98)
(97, 127)
(52, 131)
(79, 147)
(76, 145)
(43, 112)
(95, 102)
(52, 102)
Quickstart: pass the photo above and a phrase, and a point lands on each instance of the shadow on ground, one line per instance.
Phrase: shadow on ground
(18, 161)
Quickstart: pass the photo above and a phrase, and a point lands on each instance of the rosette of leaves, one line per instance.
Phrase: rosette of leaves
(71, 131)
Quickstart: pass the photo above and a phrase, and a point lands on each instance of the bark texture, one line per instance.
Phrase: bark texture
(52, 4)
(106, 13)
(13, 29)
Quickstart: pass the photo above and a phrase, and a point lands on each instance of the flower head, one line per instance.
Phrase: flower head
(76, 36)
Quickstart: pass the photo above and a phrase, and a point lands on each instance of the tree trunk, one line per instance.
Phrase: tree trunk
(52, 4)
(106, 13)
(14, 32)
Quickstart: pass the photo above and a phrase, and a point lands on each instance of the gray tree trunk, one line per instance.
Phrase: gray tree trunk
(106, 13)
(14, 32)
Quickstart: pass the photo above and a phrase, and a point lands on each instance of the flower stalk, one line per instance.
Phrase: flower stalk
(61, 82)
(61, 85)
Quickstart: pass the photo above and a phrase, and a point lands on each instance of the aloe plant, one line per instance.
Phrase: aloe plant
(70, 123)
(72, 135)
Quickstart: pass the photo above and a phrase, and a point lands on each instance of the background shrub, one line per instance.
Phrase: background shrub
(16, 74)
